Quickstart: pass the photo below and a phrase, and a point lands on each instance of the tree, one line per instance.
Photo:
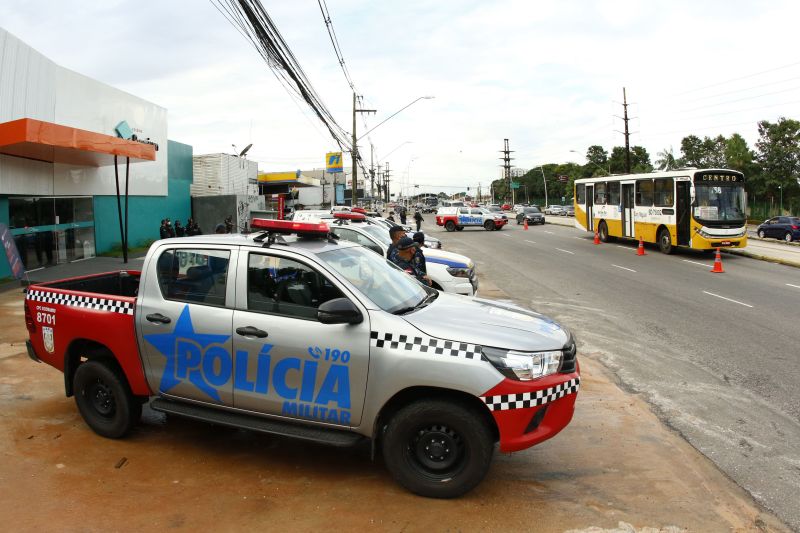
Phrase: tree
(703, 153)
(640, 160)
(666, 160)
(778, 152)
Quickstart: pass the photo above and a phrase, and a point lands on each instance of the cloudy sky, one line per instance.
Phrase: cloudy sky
(546, 74)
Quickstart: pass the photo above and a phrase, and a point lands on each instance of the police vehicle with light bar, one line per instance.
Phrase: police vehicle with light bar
(291, 331)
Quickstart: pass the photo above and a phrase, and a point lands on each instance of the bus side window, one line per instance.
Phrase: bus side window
(613, 193)
(644, 193)
(600, 193)
(663, 192)
(580, 193)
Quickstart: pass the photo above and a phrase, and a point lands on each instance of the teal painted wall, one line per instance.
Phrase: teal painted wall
(5, 271)
(146, 212)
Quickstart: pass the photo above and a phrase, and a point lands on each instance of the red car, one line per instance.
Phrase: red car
(505, 207)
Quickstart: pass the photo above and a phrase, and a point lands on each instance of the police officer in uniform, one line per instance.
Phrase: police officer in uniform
(419, 257)
(404, 258)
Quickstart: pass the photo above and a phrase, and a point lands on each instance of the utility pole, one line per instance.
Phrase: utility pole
(354, 151)
(386, 180)
(507, 167)
(372, 174)
(627, 133)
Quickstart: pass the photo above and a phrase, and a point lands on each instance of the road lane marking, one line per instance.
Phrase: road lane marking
(729, 299)
(565, 251)
(623, 268)
(696, 263)
(626, 247)
(550, 232)
(532, 242)
(581, 238)
(795, 286)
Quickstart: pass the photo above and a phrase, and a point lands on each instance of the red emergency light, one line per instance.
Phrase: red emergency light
(359, 210)
(344, 215)
(288, 227)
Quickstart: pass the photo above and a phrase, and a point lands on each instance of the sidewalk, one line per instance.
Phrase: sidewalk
(770, 250)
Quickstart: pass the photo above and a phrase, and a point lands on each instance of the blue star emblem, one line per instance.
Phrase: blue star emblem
(178, 347)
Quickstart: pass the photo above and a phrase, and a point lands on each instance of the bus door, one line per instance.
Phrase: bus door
(628, 228)
(683, 214)
(589, 204)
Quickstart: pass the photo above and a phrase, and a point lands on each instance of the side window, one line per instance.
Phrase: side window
(345, 234)
(356, 237)
(196, 276)
(599, 193)
(662, 192)
(644, 192)
(613, 193)
(463, 211)
(476, 212)
(282, 286)
(580, 193)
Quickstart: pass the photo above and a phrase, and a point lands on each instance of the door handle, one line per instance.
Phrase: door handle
(158, 318)
(250, 331)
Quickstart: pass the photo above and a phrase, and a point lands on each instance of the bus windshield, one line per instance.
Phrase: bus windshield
(716, 202)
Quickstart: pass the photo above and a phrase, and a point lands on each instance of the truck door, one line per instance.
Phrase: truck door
(627, 210)
(184, 319)
(287, 362)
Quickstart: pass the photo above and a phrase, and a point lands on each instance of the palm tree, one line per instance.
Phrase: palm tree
(666, 160)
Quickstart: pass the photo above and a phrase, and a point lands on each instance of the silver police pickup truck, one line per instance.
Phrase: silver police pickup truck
(292, 332)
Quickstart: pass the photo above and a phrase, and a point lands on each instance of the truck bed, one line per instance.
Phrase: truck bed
(122, 283)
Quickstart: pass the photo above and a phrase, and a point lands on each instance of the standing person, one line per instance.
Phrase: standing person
(419, 257)
(163, 231)
(395, 233)
(404, 258)
(391, 217)
(180, 231)
(221, 229)
(229, 224)
(170, 229)
(418, 219)
(403, 216)
(192, 228)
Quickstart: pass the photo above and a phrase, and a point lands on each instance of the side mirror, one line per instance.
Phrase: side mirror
(339, 311)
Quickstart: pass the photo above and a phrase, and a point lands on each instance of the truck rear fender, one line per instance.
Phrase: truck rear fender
(81, 350)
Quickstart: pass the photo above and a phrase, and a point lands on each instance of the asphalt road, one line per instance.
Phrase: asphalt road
(716, 355)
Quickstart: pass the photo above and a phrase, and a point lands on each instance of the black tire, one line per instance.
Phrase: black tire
(459, 228)
(788, 236)
(105, 399)
(519, 221)
(665, 241)
(450, 225)
(462, 448)
(488, 225)
(602, 232)
(761, 234)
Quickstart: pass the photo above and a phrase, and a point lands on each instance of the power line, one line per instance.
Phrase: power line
(738, 79)
(337, 49)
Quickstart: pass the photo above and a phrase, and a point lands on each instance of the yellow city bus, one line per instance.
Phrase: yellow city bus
(695, 208)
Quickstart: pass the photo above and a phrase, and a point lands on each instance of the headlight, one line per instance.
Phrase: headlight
(458, 272)
(524, 366)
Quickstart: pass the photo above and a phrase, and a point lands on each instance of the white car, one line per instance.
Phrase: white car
(553, 210)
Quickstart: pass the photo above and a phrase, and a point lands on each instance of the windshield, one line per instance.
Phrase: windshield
(532, 210)
(381, 234)
(719, 202)
(387, 286)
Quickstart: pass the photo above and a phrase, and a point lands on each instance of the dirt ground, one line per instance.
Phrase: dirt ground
(614, 467)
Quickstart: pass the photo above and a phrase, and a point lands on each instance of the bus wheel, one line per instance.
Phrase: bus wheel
(664, 241)
(602, 232)
(450, 225)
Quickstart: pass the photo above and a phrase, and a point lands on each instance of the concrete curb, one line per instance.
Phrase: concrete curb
(751, 255)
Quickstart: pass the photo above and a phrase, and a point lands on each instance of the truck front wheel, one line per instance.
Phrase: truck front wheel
(105, 400)
(437, 448)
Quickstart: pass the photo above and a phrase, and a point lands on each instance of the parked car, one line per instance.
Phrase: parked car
(569, 211)
(553, 210)
(533, 214)
(786, 228)
(506, 207)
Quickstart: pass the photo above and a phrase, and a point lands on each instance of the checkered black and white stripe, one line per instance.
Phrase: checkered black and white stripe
(424, 344)
(502, 402)
(88, 302)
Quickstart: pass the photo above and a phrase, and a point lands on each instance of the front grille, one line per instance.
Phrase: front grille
(569, 359)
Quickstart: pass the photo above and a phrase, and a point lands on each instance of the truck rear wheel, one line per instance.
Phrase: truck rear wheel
(437, 448)
(105, 399)
(450, 225)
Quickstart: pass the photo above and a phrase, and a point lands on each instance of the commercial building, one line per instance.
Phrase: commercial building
(225, 185)
(60, 133)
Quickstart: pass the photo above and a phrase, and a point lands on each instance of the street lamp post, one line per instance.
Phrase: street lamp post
(781, 189)
(546, 203)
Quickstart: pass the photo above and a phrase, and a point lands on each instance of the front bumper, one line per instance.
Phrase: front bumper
(499, 223)
(527, 413)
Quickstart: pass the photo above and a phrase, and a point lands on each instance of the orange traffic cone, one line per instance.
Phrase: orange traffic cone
(641, 251)
(526, 224)
(596, 237)
(717, 263)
